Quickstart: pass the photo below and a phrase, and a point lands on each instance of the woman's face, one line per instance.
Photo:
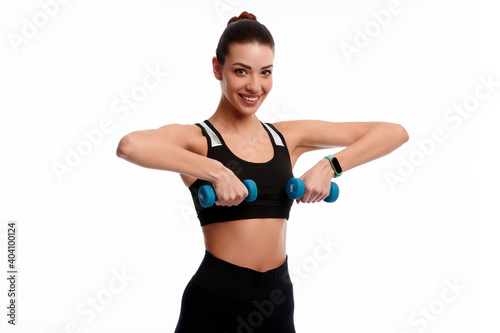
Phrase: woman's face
(246, 77)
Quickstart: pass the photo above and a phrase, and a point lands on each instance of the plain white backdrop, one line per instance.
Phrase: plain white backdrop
(107, 246)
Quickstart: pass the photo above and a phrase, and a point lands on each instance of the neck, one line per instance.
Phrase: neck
(235, 119)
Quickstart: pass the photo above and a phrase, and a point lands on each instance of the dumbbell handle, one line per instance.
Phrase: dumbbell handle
(207, 196)
(295, 189)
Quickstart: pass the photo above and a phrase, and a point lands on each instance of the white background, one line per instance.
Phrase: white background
(398, 246)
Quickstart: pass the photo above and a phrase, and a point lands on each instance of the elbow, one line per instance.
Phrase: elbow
(396, 132)
(125, 146)
(402, 133)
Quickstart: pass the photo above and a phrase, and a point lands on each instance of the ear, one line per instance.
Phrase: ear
(217, 68)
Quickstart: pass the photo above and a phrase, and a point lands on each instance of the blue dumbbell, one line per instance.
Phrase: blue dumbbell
(207, 197)
(295, 189)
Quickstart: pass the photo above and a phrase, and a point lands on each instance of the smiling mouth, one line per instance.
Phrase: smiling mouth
(250, 99)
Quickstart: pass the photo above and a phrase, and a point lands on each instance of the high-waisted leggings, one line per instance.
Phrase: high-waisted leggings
(225, 298)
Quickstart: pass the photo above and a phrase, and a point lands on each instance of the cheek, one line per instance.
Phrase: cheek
(230, 85)
(268, 85)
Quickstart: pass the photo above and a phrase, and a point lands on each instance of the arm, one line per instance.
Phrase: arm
(379, 140)
(166, 148)
(364, 142)
(182, 149)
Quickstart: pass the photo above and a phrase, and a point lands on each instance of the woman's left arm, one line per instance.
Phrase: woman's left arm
(364, 142)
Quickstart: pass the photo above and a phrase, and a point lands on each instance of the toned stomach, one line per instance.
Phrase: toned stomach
(258, 244)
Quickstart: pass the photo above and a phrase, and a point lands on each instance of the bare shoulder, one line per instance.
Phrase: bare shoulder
(295, 127)
(187, 136)
(299, 126)
(287, 127)
(292, 131)
(176, 131)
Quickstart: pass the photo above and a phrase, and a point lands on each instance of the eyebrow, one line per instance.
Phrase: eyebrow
(246, 66)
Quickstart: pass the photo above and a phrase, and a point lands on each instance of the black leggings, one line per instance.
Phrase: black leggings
(225, 298)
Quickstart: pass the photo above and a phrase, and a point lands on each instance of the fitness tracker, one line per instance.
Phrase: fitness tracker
(335, 165)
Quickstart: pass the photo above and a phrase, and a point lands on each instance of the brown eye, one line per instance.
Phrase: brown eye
(239, 69)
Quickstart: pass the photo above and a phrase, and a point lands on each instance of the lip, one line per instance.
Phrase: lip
(251, 96)
(246, 95)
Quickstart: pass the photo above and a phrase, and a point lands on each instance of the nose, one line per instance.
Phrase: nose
(253, 84)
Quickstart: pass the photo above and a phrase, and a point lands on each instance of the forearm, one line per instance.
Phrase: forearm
(151, 151)
(377, 142)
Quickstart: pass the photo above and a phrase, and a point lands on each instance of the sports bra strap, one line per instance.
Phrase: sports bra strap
(276, 137)
(214, 138)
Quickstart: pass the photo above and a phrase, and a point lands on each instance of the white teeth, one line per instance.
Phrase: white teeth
(251, 99)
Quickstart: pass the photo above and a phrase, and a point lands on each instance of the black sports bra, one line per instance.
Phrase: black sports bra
(270, 177)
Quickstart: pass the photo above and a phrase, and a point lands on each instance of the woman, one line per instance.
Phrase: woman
(242, 284)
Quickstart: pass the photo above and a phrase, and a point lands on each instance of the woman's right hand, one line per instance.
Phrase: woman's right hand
(229, 189)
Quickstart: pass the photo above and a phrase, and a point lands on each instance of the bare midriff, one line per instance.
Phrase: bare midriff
(258, 244)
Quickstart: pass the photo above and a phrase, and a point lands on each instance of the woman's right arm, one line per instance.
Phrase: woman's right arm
(168, 148)
(177, 148)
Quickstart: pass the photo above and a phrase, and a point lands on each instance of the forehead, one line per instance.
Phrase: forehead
(252, 54)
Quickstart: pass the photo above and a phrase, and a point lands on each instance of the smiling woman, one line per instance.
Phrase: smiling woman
(246, 82)
(243, 283)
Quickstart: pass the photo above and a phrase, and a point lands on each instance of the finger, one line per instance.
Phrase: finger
(320, 198)
(236, 202)
(233, 202)
(222, 203)
(310, 197)
(314, 198)
(306, 197)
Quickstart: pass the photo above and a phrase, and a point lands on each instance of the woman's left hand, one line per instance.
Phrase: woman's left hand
(317, 182)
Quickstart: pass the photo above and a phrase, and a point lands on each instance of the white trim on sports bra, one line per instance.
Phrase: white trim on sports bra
(276, 137)
(214, 139)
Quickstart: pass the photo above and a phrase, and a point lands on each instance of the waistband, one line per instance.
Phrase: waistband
(242, 283)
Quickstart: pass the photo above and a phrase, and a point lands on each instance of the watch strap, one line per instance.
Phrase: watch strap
(337, 173)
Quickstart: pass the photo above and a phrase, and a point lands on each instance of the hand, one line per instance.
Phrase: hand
(317, 182)
(229, 189)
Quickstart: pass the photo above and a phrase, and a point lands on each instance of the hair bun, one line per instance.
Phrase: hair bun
(243, 16)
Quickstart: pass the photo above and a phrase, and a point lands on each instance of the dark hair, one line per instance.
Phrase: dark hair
(242, 29)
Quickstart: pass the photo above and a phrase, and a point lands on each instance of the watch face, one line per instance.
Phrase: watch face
(336, 165)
